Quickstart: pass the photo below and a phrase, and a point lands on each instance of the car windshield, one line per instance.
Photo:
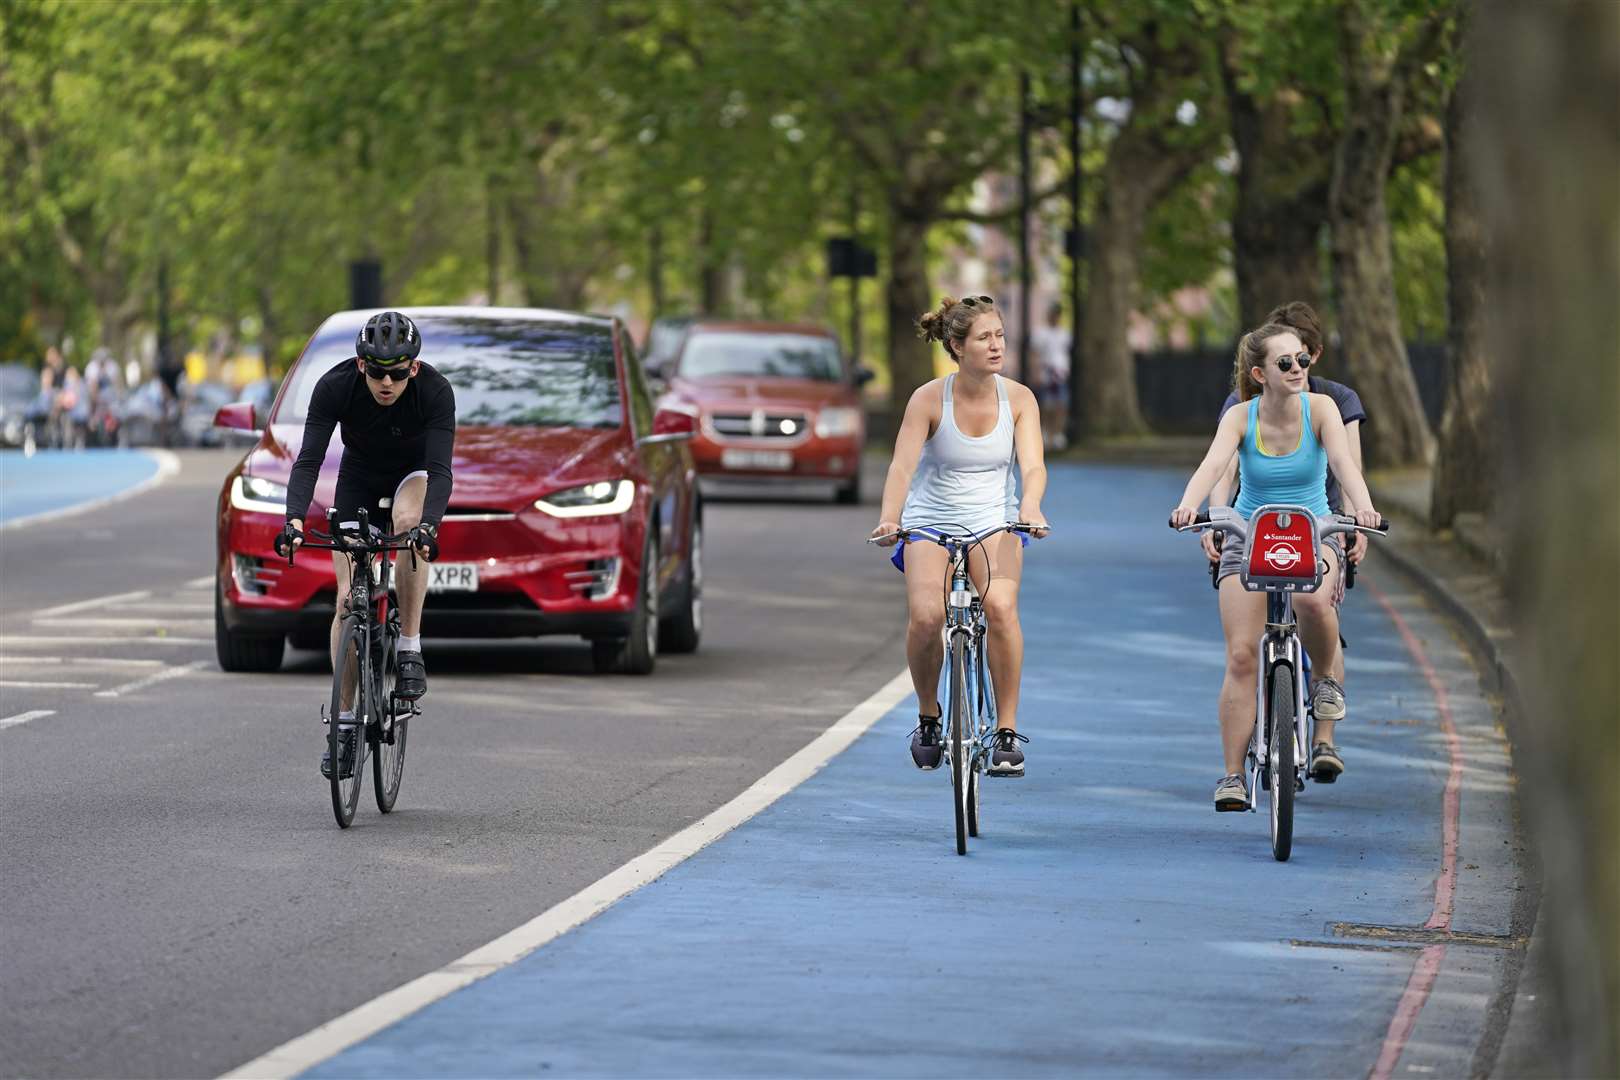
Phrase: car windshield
(789, 356)
(506, 372)
(17, 383)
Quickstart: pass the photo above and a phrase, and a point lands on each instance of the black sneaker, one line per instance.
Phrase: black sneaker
(927, 747)
(1326, 763)
(1005, 757)
(347, 741)
(412, 681)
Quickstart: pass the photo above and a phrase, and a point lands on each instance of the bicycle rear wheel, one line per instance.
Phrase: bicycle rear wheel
(388, 733)
(961, 765)
(351, 667)
(1280, 760)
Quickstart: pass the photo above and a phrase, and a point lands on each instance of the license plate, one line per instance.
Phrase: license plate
(453, 577)
(777, 460)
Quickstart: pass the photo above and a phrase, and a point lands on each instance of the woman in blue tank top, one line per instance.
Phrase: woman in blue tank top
(1285, 438)
(954, 460)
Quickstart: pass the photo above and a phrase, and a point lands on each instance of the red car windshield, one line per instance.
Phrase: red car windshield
(787, 356)
(506, 372)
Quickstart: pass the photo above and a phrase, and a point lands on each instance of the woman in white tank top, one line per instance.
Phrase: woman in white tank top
(954, 461)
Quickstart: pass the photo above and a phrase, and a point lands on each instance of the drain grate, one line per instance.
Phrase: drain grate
(1422, 935)
(1355, 946)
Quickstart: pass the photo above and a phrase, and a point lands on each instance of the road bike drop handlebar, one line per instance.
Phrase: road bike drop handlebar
(356, 545)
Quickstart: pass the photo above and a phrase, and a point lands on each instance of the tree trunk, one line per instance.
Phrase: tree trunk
(1281, 208)
(907, 295)
(1109, 380)
(1363, 261)
(714, 298)
(1547, 158)
(1465, 460)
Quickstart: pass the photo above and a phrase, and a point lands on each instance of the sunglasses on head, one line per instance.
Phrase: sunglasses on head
(974, 301)
(381, 372)
(1286, 364)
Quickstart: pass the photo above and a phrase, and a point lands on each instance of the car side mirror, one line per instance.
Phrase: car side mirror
(671, 425)
(863, 375)
(238, 415)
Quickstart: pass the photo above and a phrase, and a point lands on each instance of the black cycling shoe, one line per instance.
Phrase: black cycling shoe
(348, 739)
(927, 747)
(412, 681)
(1006, 760)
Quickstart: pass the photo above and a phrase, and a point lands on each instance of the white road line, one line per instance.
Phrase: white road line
(168, 465)
(19, 684)
(361, 1023)
(87, 661)
(86, 605)
(102, 639)
(24, 717)
(153, 679)
(163, 605)
(115, 622)
(206, 582)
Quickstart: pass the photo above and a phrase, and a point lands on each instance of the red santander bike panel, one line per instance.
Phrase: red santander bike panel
(1282, 551)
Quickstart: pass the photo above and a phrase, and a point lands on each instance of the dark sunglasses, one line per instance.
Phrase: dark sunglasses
(1286, 364)
(398, 372)
(973, 301)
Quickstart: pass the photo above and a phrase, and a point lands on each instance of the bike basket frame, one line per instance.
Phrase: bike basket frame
(1281, 553)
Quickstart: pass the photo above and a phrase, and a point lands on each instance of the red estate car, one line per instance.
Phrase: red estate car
(776, 401)
(575, 508)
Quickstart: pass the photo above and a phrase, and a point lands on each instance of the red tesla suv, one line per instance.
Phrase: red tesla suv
(776, 401)
(575, 508)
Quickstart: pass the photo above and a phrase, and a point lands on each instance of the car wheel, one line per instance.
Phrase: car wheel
(636, 654)
(849, 492)
(681, 631)
(243, 652)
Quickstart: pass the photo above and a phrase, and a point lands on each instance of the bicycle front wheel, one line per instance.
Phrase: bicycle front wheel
(1280, 761)
(387, 733)
(350, 674)
(961, 763)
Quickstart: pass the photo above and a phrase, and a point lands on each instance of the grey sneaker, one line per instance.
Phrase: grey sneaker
(1231, 793)
(1327, 699)
(1326, 764)
(1005, 757)
(927, 748)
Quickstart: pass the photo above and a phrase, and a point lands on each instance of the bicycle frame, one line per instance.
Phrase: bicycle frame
(1279, 645)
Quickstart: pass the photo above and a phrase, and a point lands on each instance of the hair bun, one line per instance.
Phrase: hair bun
(931, 324)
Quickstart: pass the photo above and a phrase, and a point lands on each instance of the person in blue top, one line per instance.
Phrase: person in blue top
(1285, 438)
(1327, 691)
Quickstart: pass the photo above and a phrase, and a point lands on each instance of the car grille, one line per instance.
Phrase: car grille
(761, 424)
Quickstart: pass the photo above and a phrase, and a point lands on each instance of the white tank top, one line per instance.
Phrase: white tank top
(964, 480)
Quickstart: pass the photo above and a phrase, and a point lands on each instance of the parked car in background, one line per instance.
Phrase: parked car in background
(663, 342)
(19, 386)
(575, 508)
(147, 417)
(775, 401)
(198, 404)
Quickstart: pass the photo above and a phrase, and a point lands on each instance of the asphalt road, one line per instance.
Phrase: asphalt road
(175, 897)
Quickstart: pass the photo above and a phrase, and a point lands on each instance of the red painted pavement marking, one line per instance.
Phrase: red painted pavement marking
(1427, 967)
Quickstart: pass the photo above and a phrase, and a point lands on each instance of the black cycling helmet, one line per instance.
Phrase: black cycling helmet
(388, 337)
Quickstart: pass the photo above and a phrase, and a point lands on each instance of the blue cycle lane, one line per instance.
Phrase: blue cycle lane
(54, 480)
(1107, 920)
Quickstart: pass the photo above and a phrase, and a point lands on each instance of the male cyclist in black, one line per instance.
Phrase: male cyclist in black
(398, 421)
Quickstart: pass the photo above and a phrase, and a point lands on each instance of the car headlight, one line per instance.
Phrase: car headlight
(837, 423)
(257, 493)
(589, 500)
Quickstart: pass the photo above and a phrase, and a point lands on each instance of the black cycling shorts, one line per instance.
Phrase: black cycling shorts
(361, 486)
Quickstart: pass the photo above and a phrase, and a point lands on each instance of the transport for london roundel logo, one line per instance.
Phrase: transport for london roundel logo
(1282, 556)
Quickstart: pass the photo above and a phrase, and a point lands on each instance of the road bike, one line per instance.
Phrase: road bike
(1280, 558)
(969, 697)
(366, 667)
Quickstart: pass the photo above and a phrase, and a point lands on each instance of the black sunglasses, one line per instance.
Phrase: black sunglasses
(398, 372)
(1286, 364)
(972, 301)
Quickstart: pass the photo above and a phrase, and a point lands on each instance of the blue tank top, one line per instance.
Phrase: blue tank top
(1298, 478)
